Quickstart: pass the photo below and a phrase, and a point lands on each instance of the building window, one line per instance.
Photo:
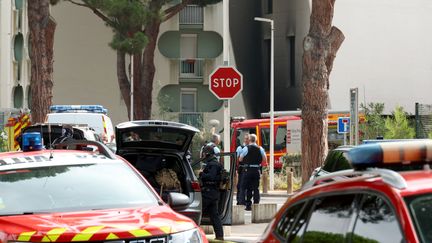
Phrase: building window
(292, 74)
(29, 97)
(188, 99)
(18, 96)
(190, 65)
(269, 6)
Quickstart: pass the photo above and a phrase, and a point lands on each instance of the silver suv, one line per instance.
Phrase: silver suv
(153, 146)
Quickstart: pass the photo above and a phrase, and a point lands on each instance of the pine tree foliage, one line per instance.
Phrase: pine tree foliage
(398, 126)
(374, 125)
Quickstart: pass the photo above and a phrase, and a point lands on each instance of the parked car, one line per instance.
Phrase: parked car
(51, 132)
(156, 146)
(94, 116)
(80, 196)
(335, 161)
(369, 203)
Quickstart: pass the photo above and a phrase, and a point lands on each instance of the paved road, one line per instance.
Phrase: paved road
(251, 232)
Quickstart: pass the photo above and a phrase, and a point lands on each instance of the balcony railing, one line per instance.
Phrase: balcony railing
(192, 15)
(191, 68)
(196, 119)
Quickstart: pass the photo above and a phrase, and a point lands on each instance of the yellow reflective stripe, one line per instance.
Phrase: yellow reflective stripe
(53, 235)
(86, 234)
(165, 229)
(139, 233)
(112, 236)
(25, 236)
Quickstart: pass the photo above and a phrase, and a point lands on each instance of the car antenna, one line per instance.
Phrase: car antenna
(49, 141)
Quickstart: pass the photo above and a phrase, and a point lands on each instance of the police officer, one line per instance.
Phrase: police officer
(240, 192)
(214, 142)
(252, 156)
(211, 177)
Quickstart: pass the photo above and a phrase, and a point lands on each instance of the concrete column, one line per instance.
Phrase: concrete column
(263, 213)
(238, 215)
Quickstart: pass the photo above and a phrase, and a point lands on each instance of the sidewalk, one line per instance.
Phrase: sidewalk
(277, 193)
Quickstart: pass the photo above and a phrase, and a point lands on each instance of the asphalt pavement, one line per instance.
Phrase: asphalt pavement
(252, 232)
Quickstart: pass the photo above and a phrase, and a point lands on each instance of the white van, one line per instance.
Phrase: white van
(94, 116)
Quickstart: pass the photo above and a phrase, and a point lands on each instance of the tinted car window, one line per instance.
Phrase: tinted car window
(376, 222)
(300, 224)
(330, 219)
(421, 213)
(287, 221)
(336, 161)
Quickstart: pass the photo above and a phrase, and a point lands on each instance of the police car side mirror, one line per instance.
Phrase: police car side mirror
(178, 201)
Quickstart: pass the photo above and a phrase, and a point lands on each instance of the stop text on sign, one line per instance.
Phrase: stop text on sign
(228, 82)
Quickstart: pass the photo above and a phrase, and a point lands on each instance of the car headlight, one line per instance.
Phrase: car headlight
(190, 236)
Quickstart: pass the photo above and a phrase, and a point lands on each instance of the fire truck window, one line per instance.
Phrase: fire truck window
(241, 133)
(265, 138)
(280, 143)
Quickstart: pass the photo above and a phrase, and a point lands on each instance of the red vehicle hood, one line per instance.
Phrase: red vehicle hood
(97, 225)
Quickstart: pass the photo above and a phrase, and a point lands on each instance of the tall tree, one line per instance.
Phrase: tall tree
(374, 125)
(136, 25)
(398, 126)
(42, 29)
(320, 47)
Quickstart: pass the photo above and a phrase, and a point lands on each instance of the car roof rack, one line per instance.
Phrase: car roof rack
(389, 177)
(102, 148)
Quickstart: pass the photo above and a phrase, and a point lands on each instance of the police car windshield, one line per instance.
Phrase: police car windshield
(69, 188)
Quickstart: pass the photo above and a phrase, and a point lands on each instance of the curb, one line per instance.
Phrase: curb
(286, 195)
(275, 195)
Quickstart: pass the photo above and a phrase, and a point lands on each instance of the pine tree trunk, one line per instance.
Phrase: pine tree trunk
(123, 80)
(320, 48)
(42, 29)
(148, 70)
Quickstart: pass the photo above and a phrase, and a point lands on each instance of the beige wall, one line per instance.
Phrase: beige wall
(387, 52)
(84, 64)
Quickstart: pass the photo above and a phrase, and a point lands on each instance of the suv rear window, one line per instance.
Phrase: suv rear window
(154, 137)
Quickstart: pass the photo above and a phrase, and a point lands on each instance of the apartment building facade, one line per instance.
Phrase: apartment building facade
(14, 55)
(189, 48)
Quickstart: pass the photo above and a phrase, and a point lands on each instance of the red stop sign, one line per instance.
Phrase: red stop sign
(226, 82)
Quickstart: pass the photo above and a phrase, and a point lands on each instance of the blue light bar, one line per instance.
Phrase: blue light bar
(32, 141)
(394, 153)
(78, 108)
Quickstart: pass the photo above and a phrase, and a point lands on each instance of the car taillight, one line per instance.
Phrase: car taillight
(196, 186)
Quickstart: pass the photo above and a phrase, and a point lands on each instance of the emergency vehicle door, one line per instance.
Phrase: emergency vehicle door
(229, 161)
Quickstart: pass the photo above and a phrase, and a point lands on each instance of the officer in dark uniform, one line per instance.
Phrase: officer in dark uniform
(240, 192)
(252, 156)
(211, 177)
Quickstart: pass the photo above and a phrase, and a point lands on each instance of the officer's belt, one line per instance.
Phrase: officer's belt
(252, 166)
(208, 183)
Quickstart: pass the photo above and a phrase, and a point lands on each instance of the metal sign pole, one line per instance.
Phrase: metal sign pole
(227, 103)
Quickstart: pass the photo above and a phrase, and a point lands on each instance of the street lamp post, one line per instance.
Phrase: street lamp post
(131, 87)
(271, 99)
